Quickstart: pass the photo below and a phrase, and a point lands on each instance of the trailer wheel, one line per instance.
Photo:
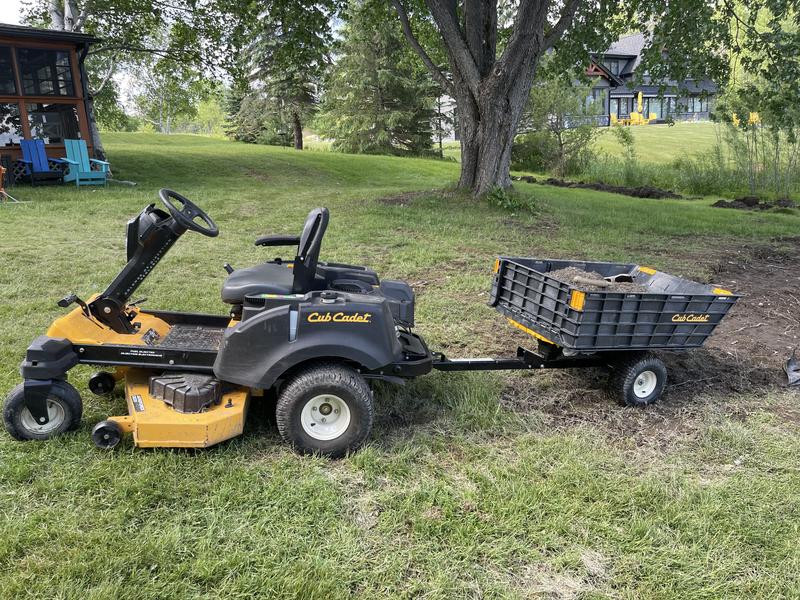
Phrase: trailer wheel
(640, 380)
(64, 408)
(325, 409)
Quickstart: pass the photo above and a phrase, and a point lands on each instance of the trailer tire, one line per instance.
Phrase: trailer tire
(325, 409)
(639, 380)
(64, 407)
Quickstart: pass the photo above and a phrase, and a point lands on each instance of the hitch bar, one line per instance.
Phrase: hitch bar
(525, 359)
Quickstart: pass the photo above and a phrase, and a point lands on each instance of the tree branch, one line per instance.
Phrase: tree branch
(111, 67)
(87, 7)
(56, 15)
(460, 56)
(528, 27)
(564, 21)
(426, 59)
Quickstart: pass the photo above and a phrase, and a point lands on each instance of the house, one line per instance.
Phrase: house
(617, 87)
(43, 88)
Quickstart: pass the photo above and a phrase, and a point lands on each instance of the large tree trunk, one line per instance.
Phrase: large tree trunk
(487, 133)
(490, 91)
(486, 141)
(297, 127)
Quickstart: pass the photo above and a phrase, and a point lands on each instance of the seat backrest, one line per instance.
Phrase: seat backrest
(76, 150)
(34, 152)
(305, 263)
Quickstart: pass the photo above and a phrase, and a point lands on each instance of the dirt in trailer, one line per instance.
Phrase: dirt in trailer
(589, 281)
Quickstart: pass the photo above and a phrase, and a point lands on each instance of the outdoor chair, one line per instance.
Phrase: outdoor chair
(37, 163)
(80, 165)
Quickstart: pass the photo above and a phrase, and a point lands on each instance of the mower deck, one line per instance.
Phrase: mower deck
(156, 424)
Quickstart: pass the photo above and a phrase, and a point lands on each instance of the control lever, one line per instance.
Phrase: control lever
(137, 302)
(228, 268)
(73, 299)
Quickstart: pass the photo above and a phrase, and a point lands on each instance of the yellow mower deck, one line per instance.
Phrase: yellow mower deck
(156, 424)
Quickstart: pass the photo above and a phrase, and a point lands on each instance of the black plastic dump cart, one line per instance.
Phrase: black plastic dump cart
(578, 326)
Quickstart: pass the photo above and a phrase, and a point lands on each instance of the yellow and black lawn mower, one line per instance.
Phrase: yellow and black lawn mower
(316, 334)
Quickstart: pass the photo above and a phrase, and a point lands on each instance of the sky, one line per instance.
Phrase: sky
(10, 11)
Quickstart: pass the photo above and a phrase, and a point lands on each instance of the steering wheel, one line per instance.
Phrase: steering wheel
(187, 214)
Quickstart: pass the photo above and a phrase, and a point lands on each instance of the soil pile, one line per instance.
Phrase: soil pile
(753, 203)
(645, 191)
(582, 280)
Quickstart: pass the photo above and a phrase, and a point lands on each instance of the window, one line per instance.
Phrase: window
(613, 65)
(653, 106)
(598, 96)
(10, 124)
(8, 85)
(45, 72)
(53, 123)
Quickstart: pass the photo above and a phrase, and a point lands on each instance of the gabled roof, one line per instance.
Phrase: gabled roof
(628, 45)
(50, 35)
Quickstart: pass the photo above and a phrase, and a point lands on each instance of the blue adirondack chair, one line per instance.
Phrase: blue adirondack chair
(37, 164)
(80, 165)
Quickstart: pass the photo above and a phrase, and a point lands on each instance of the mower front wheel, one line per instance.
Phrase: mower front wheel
(325, 409)
(64, 409)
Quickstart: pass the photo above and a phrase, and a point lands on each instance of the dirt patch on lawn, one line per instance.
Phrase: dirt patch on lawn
(406, 198)
(764, 325)
(754, 203)
(635, 192)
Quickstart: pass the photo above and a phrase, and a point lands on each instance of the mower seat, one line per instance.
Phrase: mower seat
(278, 277)
(269, 278)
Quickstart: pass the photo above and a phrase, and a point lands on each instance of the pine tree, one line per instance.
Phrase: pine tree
(378, 99)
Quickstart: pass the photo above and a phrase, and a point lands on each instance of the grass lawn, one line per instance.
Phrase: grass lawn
(662, 144)
(472, 486)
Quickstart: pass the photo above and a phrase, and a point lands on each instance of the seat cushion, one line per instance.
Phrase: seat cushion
(268, 278)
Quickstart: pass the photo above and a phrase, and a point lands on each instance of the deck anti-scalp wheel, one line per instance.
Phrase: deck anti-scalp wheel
(64, 409)
(639, 380)
(106, 435)
(325, 409)
(102, 383)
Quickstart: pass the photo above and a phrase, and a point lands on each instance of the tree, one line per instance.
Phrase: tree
(561, 122)
(377, 98)
(493, 51)
(200, 35)
(165, 91)
(289, 55)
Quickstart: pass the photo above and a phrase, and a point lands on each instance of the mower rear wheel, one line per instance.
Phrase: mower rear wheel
(639, 380)
(106, 435)
(64, 409)
(325, 409)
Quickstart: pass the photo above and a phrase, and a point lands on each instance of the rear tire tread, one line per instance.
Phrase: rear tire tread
(317, 379)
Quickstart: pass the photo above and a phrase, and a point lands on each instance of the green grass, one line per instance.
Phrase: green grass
(472, 486)
(662, 144)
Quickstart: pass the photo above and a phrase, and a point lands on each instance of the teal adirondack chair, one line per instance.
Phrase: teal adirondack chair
(37, 164)
(80, 165)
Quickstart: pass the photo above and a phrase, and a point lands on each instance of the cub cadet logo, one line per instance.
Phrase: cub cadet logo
(690, 318)
(339, 317)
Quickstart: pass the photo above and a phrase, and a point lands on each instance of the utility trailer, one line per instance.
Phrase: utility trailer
(619, 329)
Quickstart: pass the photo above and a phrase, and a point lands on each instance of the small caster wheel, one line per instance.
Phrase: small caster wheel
(106, 435)
(64, 409)
(102, 383)
(640, 380)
